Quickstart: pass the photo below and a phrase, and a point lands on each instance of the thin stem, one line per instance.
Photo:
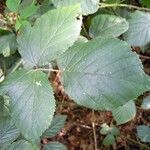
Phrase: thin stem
(104, 5)
(94, 130)
(19, 62)
(47, 70)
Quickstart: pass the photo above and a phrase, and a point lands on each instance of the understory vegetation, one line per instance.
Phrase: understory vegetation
(74, 74)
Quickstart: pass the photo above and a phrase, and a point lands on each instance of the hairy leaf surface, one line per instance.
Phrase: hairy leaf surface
(51, 35)
(139, 29)
(102, 74)
(33, 104)
(87, 6)
(108, 25)
(124, 113)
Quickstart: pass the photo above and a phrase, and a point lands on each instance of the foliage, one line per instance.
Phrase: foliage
(97, 65)
(110, 133)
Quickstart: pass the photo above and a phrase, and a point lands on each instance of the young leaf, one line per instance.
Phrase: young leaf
(55, 127)
(105, 129)
(33, 103)
(23, 145)
(114, 131)
(13, 5)
(51, 35)
(144, 133)
(54, 146)
(7, 43)
(124, 113)
(109, 140)
(28, 11)
(108, 25)
(87, 6)
(102, 74)
(139, 29)
(146, 103)
(8, 132)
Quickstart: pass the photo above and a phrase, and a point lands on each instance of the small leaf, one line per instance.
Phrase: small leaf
(7, 43)
(50, 36)
(23, 145)
(13, 5)
(146, 103)
(108, 25)
(28, 11)
(102, 74)
(8, 132)
(105, 129)
(33, 103)
(56, 125)
(124, 113)
(87, 6)
(144, 133)
(54, 146)
(114, 131)
(109, 140)
(139, 29)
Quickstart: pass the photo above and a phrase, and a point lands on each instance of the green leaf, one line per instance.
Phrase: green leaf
(109, 140)
(8, 132)
(54, 146)
(28, 11)
(13, 5)
(146, 103)
(102, 74)
(144, 133)
(105, 129)
(8, 43)
(114, 130)
(50, 36)
(145, 3)
(56, 125)
(33, 103)
(139, 29)
(108, 25)
(87, 6)
(23, 145)
(124, 113)
(4, 106)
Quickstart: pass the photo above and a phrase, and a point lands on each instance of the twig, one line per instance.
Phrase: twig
(19, 62)
(145, 57)
(104, 5)
(94, 130)
(47, 70)
(136, 142)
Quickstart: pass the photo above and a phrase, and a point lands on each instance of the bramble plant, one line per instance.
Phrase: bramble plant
(98, 68)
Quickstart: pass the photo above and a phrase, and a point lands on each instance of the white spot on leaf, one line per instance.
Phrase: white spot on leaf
(38, 83)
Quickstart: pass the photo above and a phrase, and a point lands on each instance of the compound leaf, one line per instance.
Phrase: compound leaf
(139, 29)
(108, 25)
(87, 6)
(33, 104)
(102, 74)
(51, 35)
